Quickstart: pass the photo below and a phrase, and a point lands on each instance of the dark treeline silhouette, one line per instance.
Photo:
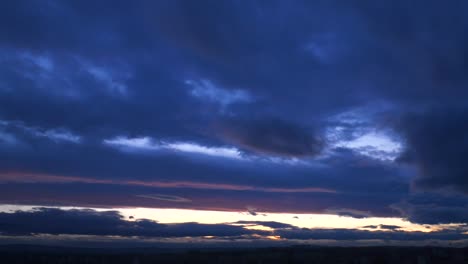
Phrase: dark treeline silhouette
(322, 255)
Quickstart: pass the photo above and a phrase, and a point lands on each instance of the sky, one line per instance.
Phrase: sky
(233, 123)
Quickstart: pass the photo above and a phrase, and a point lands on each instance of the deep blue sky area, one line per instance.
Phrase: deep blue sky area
(353, 109)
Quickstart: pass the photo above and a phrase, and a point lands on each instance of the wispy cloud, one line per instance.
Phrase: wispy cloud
(149, 144)
(228, 152)
(143, 143)
(59, 135)
(106, 77)
(7, 138)
(205, 90)
(112, 77)
(55, 134)
(49, 178)
(165, 197)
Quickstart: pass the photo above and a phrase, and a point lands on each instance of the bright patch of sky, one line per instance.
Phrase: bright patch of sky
(357, 130)
(374, 144)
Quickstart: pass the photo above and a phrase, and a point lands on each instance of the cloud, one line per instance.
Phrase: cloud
(108, 78)
(8, 138)
(57, 135)
(374, 145)
(149, 144)
(364, 130)
(227, 152)
(265, 185)
(163, 197)
(21, 177)
(437, 142)
(107, 223)
(47, 221)
(252, 210)
(349, 212)
(271, 137)
(280, 82)
(430, 208)
(142, 143)
(383, 227)
(207, 91)
(270, 224)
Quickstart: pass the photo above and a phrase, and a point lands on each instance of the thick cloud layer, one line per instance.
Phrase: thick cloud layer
(354, 109)
(430, 208)
(437, 143)
(110, 223)
(273, 137)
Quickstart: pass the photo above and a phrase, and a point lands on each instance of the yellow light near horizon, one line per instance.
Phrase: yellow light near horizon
(259, 227)
(300, 220)
(274, 237)
(325, 221)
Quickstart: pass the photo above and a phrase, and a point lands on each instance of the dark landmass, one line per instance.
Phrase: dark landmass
(354, 255)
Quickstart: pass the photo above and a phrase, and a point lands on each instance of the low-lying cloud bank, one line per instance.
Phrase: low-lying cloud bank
(51, 221)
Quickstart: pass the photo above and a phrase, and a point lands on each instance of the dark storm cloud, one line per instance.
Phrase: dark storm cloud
(437, 143)
(272, 137)
(62, 96)
(142, 46)
(433, 37)
(430, 208)
(91, 61)
(267, 48)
